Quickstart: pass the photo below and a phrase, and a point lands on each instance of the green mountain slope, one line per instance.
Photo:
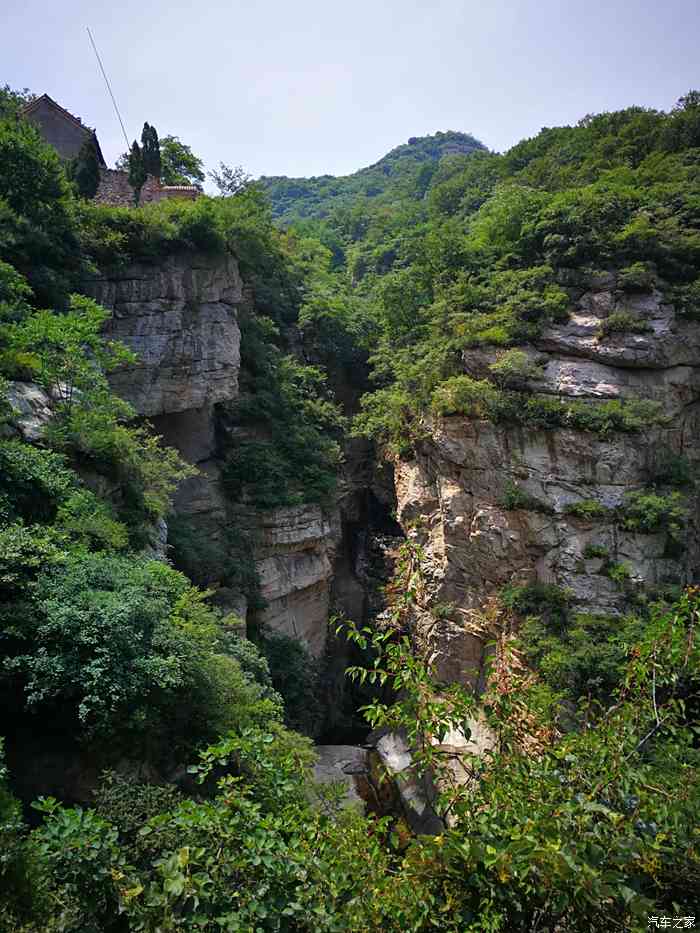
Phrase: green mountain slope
(406, 169)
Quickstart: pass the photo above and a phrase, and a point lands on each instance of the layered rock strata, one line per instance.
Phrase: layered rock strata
(492, 503)
(180, 316)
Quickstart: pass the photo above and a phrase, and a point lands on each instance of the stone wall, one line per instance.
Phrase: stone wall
(114, 188)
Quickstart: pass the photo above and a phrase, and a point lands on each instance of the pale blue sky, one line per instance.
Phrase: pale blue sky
(310, 87)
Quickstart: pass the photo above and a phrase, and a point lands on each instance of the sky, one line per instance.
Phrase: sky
(312, 87)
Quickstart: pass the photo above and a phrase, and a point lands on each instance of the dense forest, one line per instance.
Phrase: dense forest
(585, 811)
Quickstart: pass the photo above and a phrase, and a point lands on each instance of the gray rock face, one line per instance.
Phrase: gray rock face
(179, 316)
(348, 766)
(295, 564)
(32, 408)
(458, 484)
(416, 791)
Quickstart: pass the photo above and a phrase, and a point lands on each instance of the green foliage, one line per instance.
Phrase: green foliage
(646, 511)
(292, 453)
(623, 322)
(33, 481)
(515, 497)
(619, 572)
(230, 181)
(37, 230)
(672, 469)
(25, 550)
(637, 277)
(513, 368)
(150, 149)
(481, 399)
(137, 171)
(586, 657)
(15, 294)
(126, 647)
(589, 509)
(595, 550)
(12, 100)
(85, 170)
(70, 358)
(179, 165)
(398, 171)
(505, 249)
(542, 599)
(294, 673)
(598, 824)
(17, 877)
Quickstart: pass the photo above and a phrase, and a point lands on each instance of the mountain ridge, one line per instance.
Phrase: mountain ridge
(299, 198)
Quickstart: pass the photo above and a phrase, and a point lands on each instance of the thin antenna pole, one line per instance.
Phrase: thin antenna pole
(109, 87)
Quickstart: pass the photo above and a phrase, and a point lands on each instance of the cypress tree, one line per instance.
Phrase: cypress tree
(85, 169)
(151, 150)
(137, 171)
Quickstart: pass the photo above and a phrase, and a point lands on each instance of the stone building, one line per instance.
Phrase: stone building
(67, 134)
(60, 128)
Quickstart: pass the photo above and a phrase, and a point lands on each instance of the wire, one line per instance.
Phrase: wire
(109, 88)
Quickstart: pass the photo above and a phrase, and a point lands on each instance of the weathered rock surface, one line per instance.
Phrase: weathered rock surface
(32, 407)
(179, 316)
(462, 478)
(348, 766)
(294, 558)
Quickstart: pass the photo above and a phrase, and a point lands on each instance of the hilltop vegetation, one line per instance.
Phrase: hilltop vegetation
(405, 172)
(485, 255)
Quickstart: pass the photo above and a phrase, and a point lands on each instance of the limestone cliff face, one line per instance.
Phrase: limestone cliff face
(180, 316)
(456, 491)
(296, 553)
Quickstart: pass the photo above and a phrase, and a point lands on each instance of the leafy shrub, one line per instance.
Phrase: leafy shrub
(637, 277)
(623, 322)
(619, 572)
(293, 454)
(595, 550)
(475, 398)
(672, 470)
(25, 550)
(513, 368)
(587, 657)
(295, 676)
(36, 213)
(126, 647)
(646, 512)
(543, 599)
(589, 509)
(33, 482)
(515, 497)
(91, 522)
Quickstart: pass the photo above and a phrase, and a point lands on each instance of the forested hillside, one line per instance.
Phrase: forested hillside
(439, 285)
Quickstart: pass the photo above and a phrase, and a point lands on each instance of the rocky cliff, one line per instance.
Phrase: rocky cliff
(180, 315)
(496, 505)
(492, 504)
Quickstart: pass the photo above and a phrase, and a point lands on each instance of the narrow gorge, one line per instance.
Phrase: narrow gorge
(350, 537)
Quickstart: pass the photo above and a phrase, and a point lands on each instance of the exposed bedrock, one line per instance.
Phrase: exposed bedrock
(180, 316)
(457, 494)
